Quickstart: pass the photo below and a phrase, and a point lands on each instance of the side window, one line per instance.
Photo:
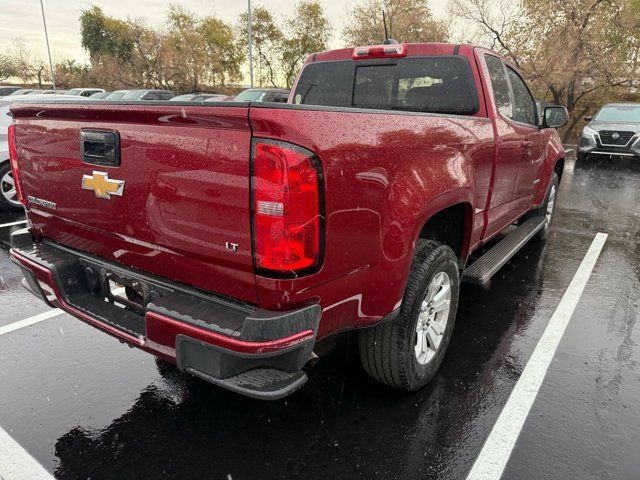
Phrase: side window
(524, 105)
(500, 85)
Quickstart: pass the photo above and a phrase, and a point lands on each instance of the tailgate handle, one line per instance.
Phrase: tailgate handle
(100, 147)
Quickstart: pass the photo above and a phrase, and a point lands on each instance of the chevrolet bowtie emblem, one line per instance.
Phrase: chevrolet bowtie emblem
(103, 187)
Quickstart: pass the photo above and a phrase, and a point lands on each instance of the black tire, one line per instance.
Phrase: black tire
(541, 211)
(5, 168)
(388, 351)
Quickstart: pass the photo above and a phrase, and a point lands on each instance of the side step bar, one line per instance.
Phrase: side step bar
(492, 261)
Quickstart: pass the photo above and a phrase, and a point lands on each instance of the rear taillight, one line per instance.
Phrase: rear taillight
(287, 209)
(13, 159)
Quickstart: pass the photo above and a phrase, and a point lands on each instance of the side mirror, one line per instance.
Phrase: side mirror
(555, 117)
(588, 118)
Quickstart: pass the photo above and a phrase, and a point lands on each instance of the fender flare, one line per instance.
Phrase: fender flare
(457, 196)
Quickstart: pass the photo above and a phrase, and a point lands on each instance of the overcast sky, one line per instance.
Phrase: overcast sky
(22, 18)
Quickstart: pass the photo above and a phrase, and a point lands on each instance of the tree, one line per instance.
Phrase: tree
(188, 54)
(225, 56)
(308, 31)
(26, 65)
(407, 21)
(267, 40)
(8, 67)
(103, 35)
(575, 52)
(279, 53)
(70, 73)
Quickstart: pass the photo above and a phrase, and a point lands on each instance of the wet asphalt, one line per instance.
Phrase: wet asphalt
(86, 406)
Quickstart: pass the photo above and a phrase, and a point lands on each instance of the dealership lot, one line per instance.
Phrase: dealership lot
(86, 406)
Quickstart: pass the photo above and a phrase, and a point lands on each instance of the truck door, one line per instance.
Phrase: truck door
(509, 149)
(525, 122)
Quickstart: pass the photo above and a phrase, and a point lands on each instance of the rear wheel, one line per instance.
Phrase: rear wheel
(407, 352)
(8, 194)
(546, 209)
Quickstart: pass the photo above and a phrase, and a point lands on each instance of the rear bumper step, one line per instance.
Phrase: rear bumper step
(214, 338)
(486, 266)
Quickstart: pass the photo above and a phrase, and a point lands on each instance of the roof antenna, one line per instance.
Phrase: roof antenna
(387, 40)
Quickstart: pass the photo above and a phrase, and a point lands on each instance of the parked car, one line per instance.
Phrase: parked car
(147, 95)
(198, 97)
(99, 95)
(8, 196)
(83, 92)
(4, 91)
(21, 91)
(263, 95)
(613, 131)
(46, 92)
(222, 98)
(116, 95)
(245, 235)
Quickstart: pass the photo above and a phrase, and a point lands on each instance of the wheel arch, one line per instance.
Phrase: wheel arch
(450, 224)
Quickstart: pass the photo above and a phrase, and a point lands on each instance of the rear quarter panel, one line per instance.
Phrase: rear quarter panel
(385, 175)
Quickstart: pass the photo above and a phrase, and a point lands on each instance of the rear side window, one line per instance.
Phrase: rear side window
(524, 105)
(500, 85)
(425, 84)
(326, 83)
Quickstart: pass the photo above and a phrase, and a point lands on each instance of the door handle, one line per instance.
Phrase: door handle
(100, 147)
(527, 144)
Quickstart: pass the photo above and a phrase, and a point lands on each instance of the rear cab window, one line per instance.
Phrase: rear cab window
(434, 84)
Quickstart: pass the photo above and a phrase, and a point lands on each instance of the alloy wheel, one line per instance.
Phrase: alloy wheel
(8, 189)
(433, 318)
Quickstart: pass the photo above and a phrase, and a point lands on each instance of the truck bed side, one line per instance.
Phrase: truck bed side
(385, 175)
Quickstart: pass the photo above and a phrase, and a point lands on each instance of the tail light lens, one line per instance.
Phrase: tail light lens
(13, 159)
(287, 216)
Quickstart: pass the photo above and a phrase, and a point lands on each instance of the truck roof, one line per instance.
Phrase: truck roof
(412, 49)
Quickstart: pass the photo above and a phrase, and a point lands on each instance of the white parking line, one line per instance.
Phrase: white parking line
(13, 223)
(12, 327)
(16, 463)
(496, 451)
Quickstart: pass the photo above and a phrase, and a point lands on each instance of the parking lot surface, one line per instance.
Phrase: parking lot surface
(85, 406)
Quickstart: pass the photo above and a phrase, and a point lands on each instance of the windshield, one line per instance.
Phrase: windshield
(250, 96)
(133, 95)
(619, 114)
(115, 95)
(74, 91)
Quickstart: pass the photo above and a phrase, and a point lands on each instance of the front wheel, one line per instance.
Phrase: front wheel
(407, 352)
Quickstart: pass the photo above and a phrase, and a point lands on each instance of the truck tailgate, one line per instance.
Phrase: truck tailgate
(183, 211)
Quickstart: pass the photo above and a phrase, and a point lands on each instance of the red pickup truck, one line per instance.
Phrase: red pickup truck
(229, 238)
